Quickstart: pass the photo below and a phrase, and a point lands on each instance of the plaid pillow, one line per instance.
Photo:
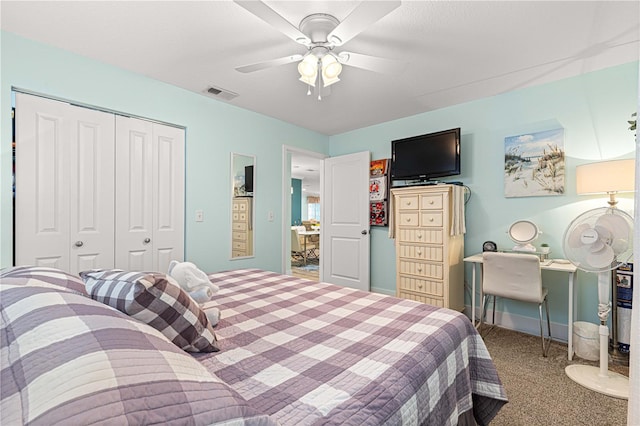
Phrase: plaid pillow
(53, 276)
(156, 299)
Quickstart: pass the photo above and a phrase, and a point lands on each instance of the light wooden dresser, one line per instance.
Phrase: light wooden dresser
(242, 229)
(429, 266)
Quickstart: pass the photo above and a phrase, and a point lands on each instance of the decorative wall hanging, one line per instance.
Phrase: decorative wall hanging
(534, 164)
(379, 193)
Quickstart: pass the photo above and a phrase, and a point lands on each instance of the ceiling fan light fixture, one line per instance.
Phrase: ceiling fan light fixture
(331, 69)
(308, 69)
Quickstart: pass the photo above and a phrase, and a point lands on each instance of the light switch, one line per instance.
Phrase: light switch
(270, 216)
(199, 216)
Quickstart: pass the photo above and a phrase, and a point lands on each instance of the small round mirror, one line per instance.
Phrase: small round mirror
(523, 232)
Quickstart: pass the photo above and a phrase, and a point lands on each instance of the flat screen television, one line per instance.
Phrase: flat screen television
(248, 180)
(425, 157)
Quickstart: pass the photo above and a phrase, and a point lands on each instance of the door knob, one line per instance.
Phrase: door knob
(364, 232)
(147, 240)
(79, 244)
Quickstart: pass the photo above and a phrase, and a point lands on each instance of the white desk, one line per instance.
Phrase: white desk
(569, 268)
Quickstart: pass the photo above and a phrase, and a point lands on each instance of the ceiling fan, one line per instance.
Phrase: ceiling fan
(321, 33)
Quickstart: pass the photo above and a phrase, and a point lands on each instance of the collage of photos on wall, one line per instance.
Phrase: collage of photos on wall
(379, 193)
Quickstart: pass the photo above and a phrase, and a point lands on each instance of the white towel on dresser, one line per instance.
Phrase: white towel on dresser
(457, 206)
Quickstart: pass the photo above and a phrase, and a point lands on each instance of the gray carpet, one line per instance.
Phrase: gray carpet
(538, 389)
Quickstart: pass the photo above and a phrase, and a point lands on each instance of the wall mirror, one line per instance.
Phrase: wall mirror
(243, 186)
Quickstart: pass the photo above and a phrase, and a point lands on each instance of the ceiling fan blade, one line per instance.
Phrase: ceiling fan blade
(272, 18)
(268, 64)
(371, 63)
(365, 14)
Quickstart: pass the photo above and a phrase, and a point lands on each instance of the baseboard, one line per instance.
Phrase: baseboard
(528, 325)
(384, 291)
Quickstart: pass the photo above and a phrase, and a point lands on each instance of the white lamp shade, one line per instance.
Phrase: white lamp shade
(308, 69)
(606, 177)
(331, 69)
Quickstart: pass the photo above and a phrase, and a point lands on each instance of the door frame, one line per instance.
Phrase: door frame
(286, 201)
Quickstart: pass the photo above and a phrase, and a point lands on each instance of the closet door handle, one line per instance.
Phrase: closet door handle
(79, 244)
(147, 240)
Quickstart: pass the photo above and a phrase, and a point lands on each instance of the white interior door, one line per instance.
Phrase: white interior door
(92, 157)
(134, 194)
(149, 195)
(64, 185)
(168, 196)
(42, 183)
(345, 220)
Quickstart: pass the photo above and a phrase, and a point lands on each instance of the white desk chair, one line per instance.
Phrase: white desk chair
(298, 245)
(515, 276)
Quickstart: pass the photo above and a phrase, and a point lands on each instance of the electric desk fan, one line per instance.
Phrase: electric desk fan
(599, 241)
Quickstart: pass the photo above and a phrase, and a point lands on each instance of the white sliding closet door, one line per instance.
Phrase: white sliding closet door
(64, 185)
(168, 196)
(149, 195)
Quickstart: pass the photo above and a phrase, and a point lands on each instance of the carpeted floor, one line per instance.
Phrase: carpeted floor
(539, 391)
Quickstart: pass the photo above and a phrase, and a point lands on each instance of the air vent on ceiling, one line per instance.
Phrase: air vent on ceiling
(218, 93)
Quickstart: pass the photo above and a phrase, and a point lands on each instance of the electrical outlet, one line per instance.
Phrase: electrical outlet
(199, 216)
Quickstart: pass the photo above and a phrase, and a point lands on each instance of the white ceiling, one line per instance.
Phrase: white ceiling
(455, 51)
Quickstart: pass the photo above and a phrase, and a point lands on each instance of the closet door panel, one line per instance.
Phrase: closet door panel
(168, 196)
(42, 182)
(134, 194)
(92, 189)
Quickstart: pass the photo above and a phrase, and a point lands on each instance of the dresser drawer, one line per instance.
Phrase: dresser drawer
(431, 202)
(413, 251)
(408, 202)
(431, 287)
(238, 253)
(239, 245)
(409, 218)
(422, 269)
(239, 236)
(433, 301)
(239, 226)
(427, 235)
(431, 218)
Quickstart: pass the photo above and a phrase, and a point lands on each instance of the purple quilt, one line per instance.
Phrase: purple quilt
(315, 353)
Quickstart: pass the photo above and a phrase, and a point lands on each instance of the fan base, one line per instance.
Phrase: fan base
(614, 385)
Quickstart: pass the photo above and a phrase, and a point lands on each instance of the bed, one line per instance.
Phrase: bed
(291, 352)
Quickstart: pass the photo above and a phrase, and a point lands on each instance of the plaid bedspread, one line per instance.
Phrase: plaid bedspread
(315, 353)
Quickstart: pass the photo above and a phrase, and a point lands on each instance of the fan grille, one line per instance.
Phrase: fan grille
(599, 240)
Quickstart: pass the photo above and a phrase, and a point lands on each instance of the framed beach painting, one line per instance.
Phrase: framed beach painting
(534, 164)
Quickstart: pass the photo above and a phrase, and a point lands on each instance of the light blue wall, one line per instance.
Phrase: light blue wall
(214, 129)
(593, 109)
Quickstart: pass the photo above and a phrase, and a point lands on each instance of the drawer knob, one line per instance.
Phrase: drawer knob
(408, 203)
(430, 201)
(419, 269)
(430, 219)
(419, 285)
(419, 236)
(408, 219)
(419, 252)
